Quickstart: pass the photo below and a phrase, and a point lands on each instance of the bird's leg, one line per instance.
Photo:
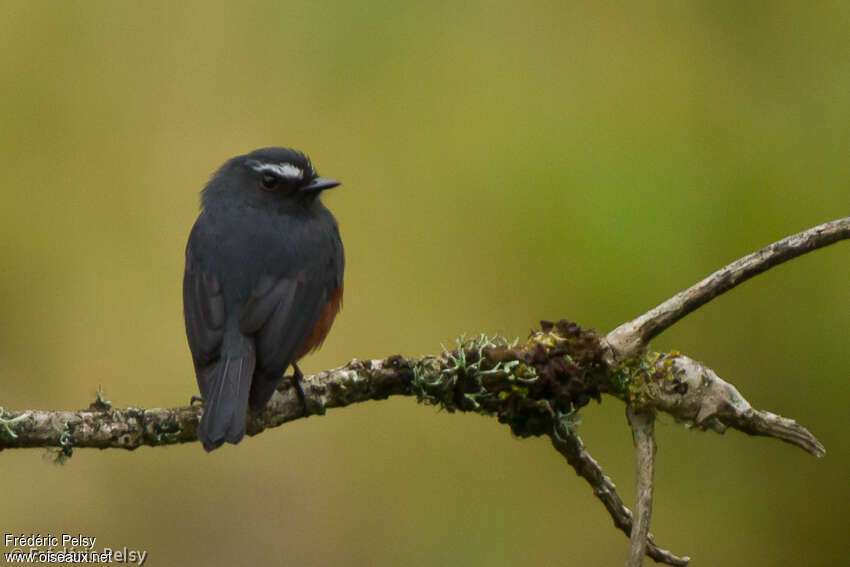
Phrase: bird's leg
(296, 382)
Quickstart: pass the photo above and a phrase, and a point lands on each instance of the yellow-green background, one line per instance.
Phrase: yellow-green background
(502, 162)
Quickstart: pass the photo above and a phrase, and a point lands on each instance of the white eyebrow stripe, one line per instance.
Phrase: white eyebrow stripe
(284, 169)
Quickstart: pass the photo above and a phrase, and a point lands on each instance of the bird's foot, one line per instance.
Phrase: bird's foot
(299, 390)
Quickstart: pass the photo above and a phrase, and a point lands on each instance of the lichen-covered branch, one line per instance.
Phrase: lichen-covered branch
(627, 339)
(103, 426)
(536, 388)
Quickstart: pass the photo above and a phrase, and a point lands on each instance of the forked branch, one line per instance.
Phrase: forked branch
(536, 388)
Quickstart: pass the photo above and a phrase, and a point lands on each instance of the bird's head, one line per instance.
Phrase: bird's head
(267, 176)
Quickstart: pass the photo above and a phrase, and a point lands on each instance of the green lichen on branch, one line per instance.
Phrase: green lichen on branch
(7, 425)
(536, 388)
(637, 380)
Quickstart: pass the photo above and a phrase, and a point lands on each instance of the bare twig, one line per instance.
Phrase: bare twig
(692, 393)
(643, 434)
(572, 448)
(627, 339)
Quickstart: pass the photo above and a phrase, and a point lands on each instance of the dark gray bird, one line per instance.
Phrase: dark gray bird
(262, 286)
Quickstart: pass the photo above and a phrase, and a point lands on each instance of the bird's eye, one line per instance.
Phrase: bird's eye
(269, 181)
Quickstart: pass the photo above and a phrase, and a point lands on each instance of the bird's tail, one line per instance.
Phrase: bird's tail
(227, 383)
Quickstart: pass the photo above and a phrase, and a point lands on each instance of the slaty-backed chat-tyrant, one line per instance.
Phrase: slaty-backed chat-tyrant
(262, 286)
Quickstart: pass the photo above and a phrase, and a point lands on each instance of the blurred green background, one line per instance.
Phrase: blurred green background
(502, 162)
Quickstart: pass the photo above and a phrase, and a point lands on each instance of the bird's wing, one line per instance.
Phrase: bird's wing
(280, 315)
(203, 310)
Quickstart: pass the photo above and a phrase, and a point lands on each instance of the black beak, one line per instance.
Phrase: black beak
(319, 184)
